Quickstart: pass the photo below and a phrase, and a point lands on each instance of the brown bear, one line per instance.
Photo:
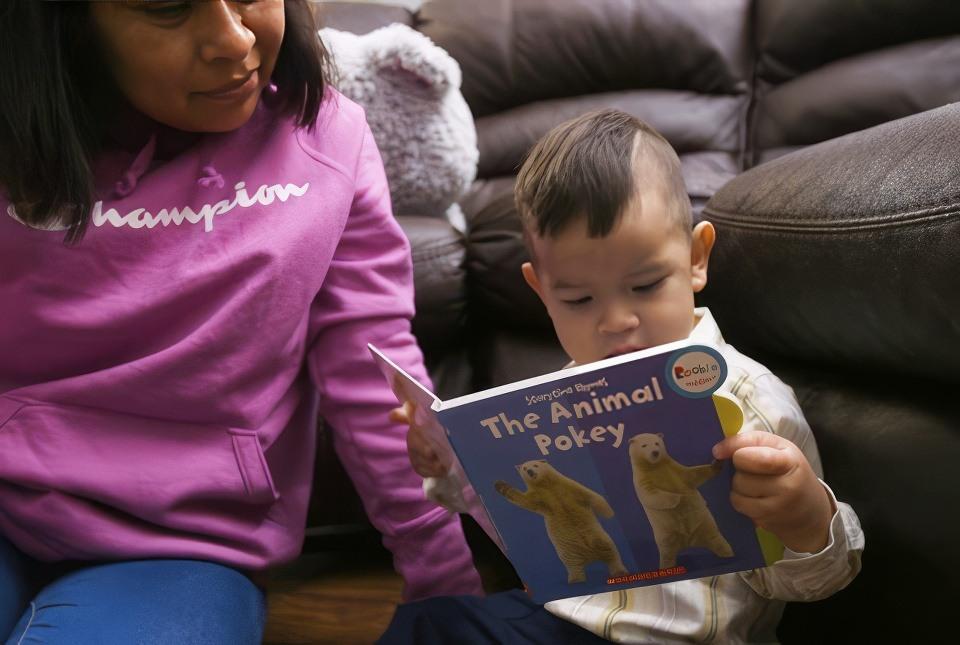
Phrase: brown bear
(570, 511)
(668, 493)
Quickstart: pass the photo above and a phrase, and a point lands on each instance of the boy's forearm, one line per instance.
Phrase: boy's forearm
(806, 577)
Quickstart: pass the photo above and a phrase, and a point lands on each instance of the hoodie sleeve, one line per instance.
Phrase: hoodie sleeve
(367, 296)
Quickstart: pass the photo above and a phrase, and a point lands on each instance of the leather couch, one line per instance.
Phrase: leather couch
(812, 134)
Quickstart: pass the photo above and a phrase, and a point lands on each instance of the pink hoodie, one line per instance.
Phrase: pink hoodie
(159, 381)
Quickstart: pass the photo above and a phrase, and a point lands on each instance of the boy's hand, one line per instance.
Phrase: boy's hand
(775, 487)
(424, 456)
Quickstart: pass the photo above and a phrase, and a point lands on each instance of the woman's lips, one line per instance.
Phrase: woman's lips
(237, 89)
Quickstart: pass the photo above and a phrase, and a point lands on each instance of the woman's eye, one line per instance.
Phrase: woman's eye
(164, 9)
(578, 301)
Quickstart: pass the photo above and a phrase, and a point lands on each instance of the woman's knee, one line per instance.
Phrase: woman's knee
(150, 602)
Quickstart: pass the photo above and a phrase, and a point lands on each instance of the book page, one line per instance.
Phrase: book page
(454, 490)
(564, 373)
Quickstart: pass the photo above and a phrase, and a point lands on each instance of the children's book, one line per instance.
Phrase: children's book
(598, 477)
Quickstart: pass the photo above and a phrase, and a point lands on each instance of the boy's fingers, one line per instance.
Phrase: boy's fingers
(726, 448)
(755, 485)
(763, 460)
(403, 414)
(422, 455)
(431, 466)
(756, 508)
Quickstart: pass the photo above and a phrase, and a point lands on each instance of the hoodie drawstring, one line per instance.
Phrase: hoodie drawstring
(140, 165)
(210, 177)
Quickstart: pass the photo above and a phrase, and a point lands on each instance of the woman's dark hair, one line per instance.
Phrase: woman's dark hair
(56, 101)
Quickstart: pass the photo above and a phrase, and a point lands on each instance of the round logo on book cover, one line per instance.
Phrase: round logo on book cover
(696, 372)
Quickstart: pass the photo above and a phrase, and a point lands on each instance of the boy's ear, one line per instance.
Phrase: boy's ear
(704, 235)
(530, 275)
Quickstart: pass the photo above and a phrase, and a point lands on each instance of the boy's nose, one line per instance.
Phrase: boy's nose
(224, 35)
(618, 319)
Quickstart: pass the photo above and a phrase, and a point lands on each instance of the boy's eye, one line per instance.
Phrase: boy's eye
(578, 301)
(648, 287)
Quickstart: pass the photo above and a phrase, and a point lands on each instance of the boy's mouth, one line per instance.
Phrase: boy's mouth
(624, 349)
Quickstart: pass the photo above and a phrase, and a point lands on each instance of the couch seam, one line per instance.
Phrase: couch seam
(925, 216)
(436, 250)
(33, 614)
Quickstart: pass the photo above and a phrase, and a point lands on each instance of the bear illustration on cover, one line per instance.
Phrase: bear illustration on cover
(570, 511)
(668, 493)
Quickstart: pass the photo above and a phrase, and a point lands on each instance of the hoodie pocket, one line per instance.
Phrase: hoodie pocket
(253, 466)
(147, 467)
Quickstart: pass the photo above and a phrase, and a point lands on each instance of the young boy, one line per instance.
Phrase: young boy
(616, 261)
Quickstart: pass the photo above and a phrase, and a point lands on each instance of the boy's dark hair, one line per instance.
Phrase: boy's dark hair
(590, 167)
(56, 101)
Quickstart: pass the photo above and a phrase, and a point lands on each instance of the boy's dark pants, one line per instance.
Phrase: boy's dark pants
(506, 617)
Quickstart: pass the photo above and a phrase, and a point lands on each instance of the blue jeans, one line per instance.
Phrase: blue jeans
(136, 602)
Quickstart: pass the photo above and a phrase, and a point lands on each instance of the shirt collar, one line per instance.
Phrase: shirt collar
(706, 329)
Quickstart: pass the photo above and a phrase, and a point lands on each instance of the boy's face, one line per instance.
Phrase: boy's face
(627, 291)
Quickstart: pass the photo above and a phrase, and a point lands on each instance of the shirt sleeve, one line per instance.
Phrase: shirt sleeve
(367, 296)
(770, 405)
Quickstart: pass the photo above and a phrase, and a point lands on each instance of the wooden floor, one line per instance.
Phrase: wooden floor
(341, 597)
(343, 588)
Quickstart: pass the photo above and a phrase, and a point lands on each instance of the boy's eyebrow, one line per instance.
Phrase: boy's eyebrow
(639, 272)
(646, 269)
(563, 284)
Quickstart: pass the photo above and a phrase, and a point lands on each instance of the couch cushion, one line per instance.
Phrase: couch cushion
(826, 68)
(858, 92)
(889, 449)
(438, 254)
(499, 297)
(514, 52)
(691, 122)
(360, 17)
(795, 37)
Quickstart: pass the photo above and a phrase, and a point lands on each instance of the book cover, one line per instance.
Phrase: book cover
(600, 477)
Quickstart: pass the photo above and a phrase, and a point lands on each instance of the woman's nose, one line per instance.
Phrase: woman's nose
(223, 33)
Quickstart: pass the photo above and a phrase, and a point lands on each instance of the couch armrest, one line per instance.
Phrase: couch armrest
(837, 266)
(846, 252)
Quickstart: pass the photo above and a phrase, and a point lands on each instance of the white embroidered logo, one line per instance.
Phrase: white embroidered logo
(141, 217)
